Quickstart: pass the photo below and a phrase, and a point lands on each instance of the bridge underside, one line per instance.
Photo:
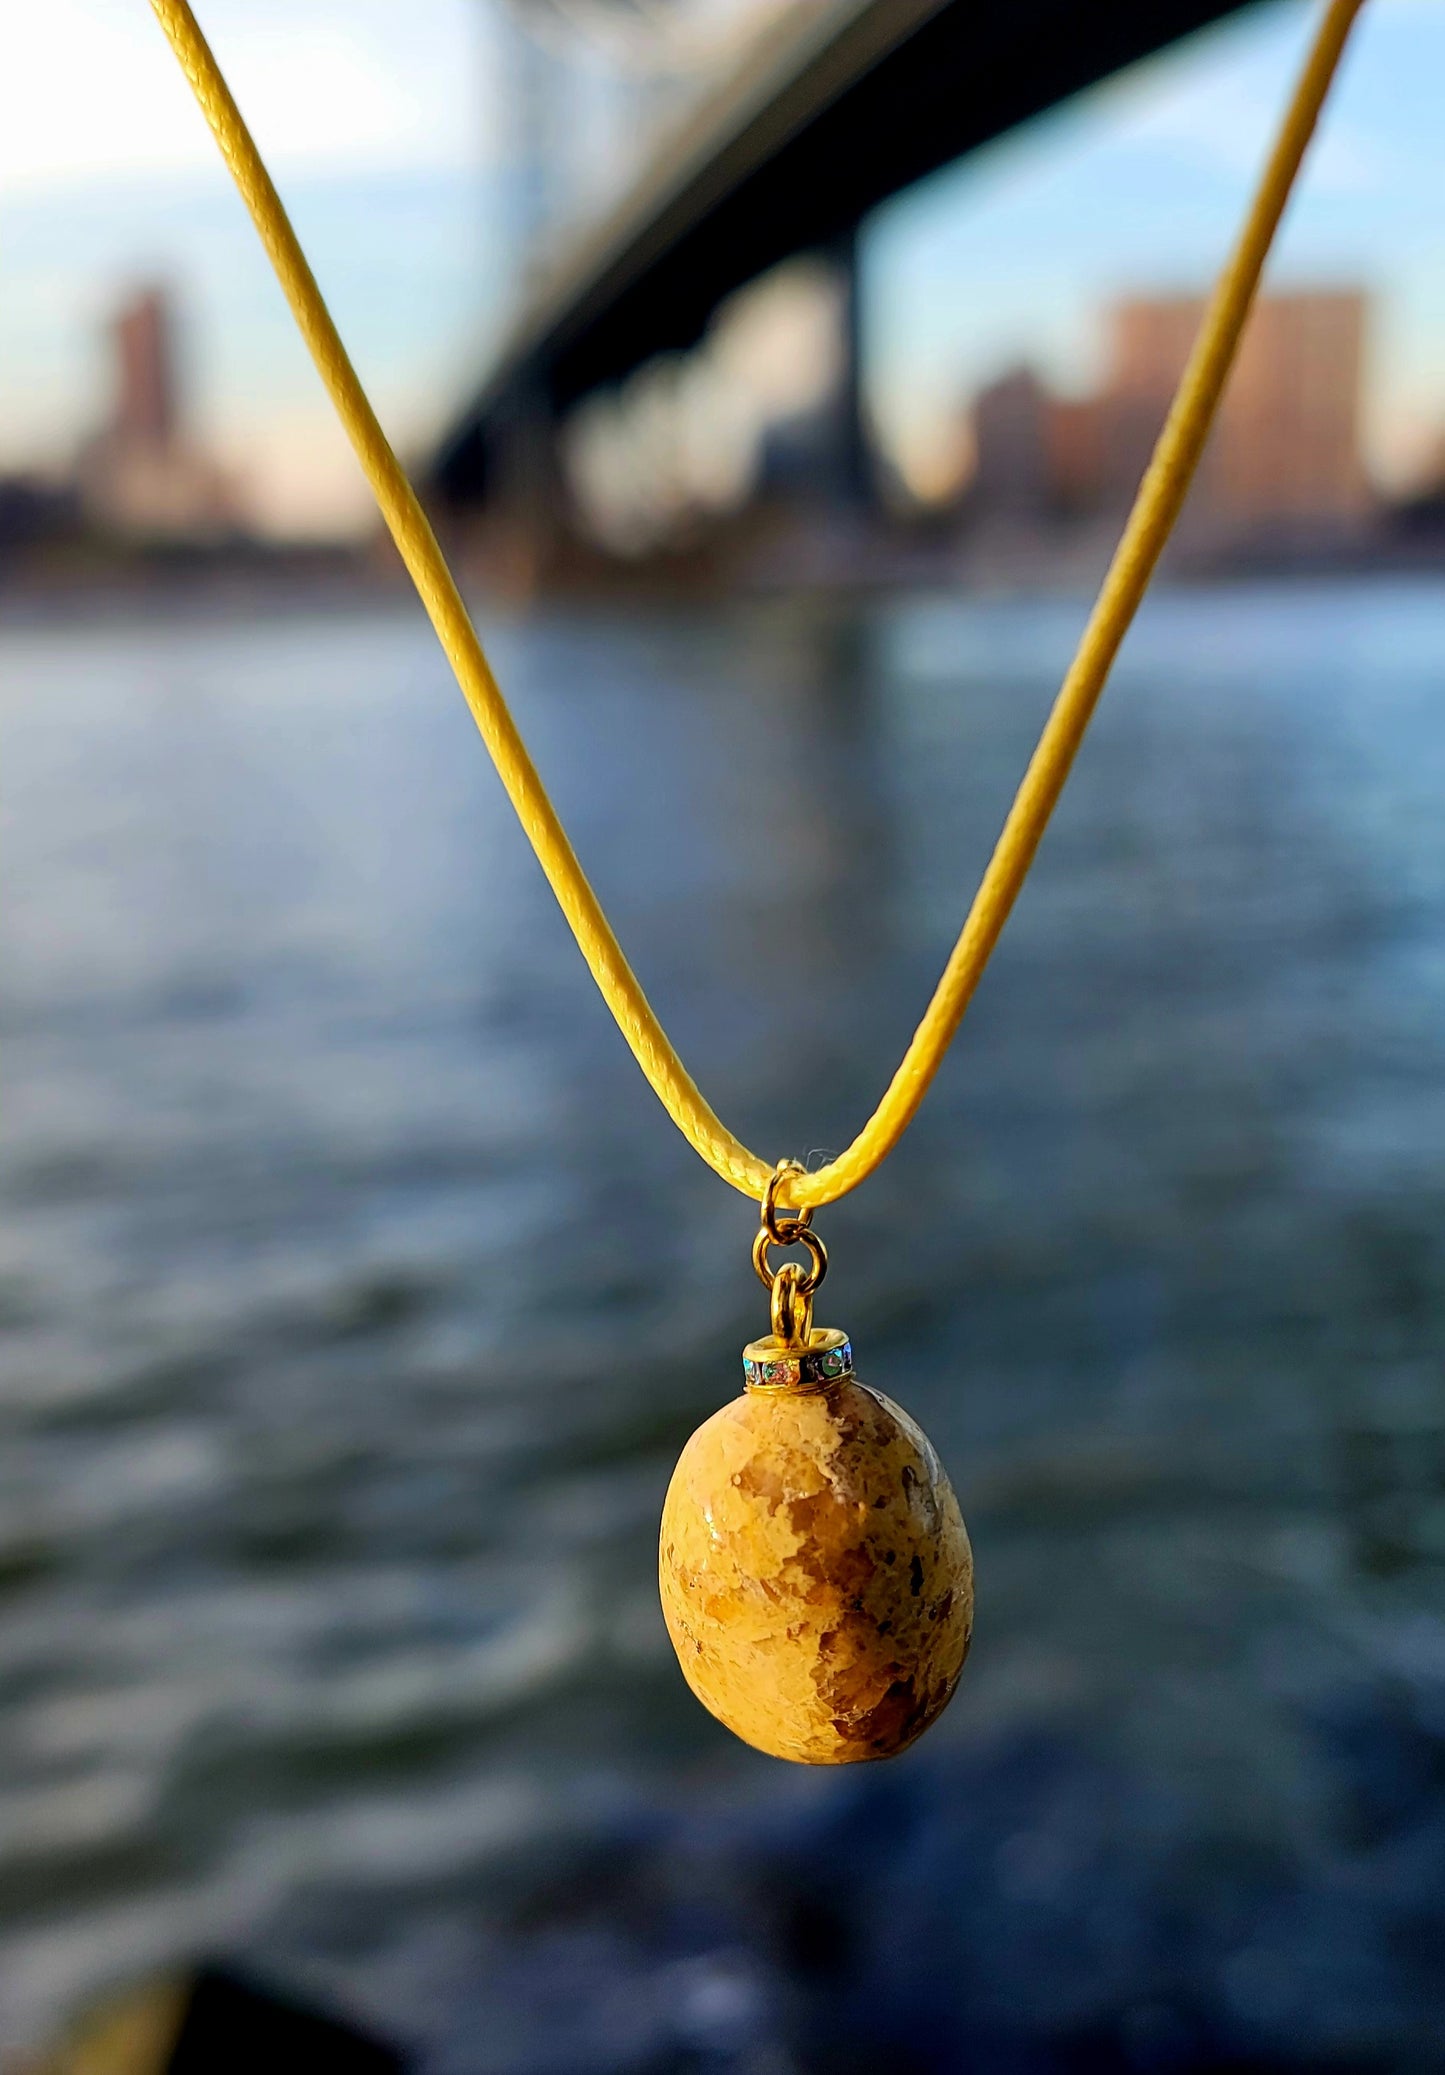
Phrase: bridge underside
(834, 115)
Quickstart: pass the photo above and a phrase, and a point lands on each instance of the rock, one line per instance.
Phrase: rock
(816, 1577)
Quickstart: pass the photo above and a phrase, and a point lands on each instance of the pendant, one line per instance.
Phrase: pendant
(816, 1576)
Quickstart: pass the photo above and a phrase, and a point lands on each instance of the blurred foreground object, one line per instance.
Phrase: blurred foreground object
(209, 2022)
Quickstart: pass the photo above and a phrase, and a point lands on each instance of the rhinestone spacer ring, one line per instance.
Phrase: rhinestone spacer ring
(768, 1365)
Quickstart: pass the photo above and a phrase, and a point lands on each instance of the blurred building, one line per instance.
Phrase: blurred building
(1013, 474)
(1419, 515)
(1429, 480)
(142, 475)
(37, 514)
(1078, 433)
(147, 405)
(1286, 449)
(1149, 342)
(1285, 454)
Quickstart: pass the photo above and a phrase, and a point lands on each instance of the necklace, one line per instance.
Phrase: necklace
(817, 1580)
(816, 1577)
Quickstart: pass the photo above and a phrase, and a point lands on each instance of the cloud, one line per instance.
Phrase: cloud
(90, 90)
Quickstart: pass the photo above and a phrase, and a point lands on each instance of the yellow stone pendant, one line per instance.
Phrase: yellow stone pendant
(816, 1576)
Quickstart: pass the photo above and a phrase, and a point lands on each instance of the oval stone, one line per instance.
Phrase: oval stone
(816, 1577)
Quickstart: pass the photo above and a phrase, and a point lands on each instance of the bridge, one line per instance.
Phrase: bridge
(841, 106)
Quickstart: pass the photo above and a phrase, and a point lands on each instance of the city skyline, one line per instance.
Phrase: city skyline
(404, 203)
(1284, 467)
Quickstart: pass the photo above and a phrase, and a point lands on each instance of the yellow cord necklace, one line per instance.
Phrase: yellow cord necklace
(816, 1576)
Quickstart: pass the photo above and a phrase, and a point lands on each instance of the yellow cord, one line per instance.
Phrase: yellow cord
(1155, 509)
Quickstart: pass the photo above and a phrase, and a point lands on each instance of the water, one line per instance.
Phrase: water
(356, 1297)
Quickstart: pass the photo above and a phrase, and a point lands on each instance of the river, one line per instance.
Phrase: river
(356, 1296)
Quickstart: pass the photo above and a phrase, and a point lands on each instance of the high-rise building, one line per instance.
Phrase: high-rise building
(147, 404)
(1149, 341)
(1290, 445)
(1012, 475)
(1078, 427)
(1286, 446)
(142, 474)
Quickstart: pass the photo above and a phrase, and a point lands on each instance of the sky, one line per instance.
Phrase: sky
(387, 124)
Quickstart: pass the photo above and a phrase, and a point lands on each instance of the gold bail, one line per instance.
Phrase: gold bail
(791, 1306)
(790, 1287)
(796, 1355)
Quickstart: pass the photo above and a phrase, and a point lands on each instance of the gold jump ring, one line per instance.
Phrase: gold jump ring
(817, 1252)
(784, 1228)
